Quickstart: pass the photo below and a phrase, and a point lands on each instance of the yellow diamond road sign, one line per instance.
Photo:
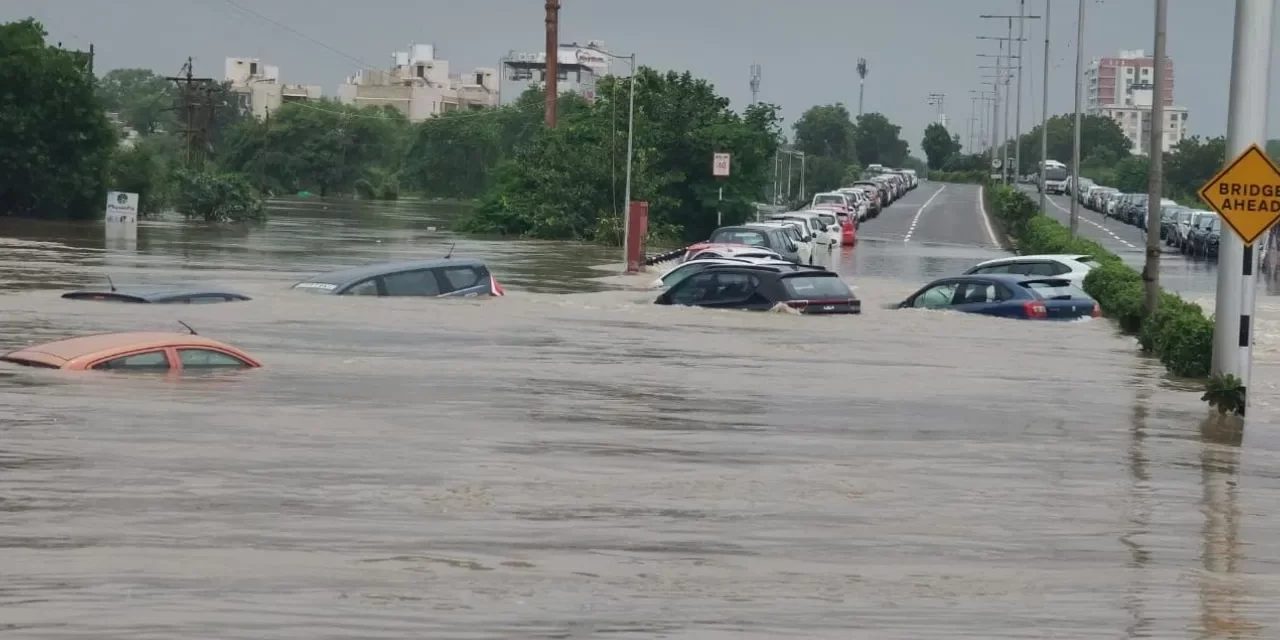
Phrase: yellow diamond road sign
(1246, 194)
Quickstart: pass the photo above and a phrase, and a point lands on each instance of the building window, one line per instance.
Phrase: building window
(253, 68)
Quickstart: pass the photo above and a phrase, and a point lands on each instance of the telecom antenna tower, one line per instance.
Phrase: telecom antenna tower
(755, 83)
(938, 99)
(862, 79)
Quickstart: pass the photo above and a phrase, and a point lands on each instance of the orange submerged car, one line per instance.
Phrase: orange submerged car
(137, 351)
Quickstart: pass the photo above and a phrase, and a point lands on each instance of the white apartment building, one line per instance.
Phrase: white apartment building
(1122, 88)
(259, 86)
(420, 86)
(578, 68)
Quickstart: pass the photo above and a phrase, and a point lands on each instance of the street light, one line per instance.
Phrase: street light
(631, 128)
(1075, 142)
(1022, 18)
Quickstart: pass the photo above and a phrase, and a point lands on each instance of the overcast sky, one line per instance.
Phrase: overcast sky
(807, 48)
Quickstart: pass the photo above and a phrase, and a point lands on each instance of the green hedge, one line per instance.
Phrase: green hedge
(1178, 333)
(958, 176)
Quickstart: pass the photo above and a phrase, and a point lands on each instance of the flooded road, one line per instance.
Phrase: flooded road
(571, 461)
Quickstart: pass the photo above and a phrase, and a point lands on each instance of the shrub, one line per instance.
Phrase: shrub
(973, 177)
(217, 197)
(1178, 332)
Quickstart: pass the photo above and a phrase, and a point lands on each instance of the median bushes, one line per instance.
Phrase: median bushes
(967, 177)
(1178, 332)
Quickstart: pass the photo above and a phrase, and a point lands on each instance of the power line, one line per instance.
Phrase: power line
(302, 35)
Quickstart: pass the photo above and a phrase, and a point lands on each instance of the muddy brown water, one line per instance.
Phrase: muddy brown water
(571, 461)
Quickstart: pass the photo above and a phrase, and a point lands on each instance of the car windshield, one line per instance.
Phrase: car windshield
(1055, 174)
(1055, 289)
(740, 236)
(814, 287)
(828, 199)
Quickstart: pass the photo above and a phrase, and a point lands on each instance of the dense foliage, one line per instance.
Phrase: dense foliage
(1178, 332)
(56, 137)
(214, 196)
(939, 145)
(837, 148)
(568, 182)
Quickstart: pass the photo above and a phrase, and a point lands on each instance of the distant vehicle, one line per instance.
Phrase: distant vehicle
(1006, 295)
(776, 239)
(443, 277)
(1055, 177)
(678, 273)
(1073, 267)
(137, 351)
(822, 225)
(156, 294)
(861, 202)
(759, 287)
(804, 244)
(711, 250)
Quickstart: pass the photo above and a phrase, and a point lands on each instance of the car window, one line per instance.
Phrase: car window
(681, 273)
(740, 236)
(460, 278)
(694, 290)
(147, 360)
(1036, 269)
(366, 288)
(827, 220)
(1057, 268)
(206, 299)
(207, 358)
(1055, 289)
(788, 243)
(982, 292)
(412, 283)
(935, 297)
(731, 287)
(815, 287)
(996, 268)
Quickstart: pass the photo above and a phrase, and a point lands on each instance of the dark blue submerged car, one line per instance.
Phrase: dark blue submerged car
(1006, 295)
(156, 294)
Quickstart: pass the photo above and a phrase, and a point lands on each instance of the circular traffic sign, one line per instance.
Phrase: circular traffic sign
(995, 163)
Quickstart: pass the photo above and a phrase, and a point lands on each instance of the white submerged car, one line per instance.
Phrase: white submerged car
(1073, 267)
(678, 273)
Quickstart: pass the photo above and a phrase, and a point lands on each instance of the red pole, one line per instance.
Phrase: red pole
(552, 66)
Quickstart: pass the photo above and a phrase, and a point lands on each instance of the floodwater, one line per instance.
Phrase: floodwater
(571, 461)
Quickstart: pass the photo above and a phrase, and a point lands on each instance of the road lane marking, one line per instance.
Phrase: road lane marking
(1084, 219)
(986, 220)
(916, 220)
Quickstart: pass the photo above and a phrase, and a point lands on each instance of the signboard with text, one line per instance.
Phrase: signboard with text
(720, 165)
(122, 215)
(1246, 194)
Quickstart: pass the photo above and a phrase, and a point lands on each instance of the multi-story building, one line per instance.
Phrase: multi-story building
(1123, 89)
(259, 88)
(420, 86)
(578, 68)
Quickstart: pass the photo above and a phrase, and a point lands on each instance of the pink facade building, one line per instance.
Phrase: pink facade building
(1123, 89)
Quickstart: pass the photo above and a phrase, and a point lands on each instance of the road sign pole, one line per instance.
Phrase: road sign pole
(1246, 126)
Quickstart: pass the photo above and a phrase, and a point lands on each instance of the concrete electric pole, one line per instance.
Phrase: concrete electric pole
(553, 59)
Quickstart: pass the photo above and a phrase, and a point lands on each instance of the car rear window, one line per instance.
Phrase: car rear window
(827, 219)
(740, 236)
(813, 287)
(1055, 289)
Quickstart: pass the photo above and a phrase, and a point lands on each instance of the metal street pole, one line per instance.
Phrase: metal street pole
(1075, 142)
(1044, 113)
(1004, 167)
(626, 192)
(1246, 125)
(1017, 119)
(995, 110)
(790, 171)
(802, 158)
(1155, 186)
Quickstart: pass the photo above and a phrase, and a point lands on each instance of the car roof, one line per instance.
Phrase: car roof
(1068, 257)
(1004, 278)
(778, 267)
(152, 292)
(352, 275)
(71, 348)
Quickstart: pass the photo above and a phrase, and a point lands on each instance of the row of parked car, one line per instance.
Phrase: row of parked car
(1193, 232)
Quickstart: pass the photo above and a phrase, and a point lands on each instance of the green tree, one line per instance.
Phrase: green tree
(1191, 163)
(1096, 133)
(827, 131)
(323, 146)
(56, 138)
(938, 145)
(877, 141)
(143, 99)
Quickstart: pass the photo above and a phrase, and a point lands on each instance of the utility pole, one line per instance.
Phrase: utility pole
(981, 119)
(188, 88)
(862, 81)
(553, 60)
(1005, 78)
(1044, 113)
(262, 161)
(1246, 125)
(973, 111)
(1075, 141)
(1155, 185)
(755, 83)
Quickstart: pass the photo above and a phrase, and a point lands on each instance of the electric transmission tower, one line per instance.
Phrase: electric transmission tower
(755, 83)
(939, 99)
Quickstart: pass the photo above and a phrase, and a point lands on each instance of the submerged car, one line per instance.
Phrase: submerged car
(777, 239)
(1006, 295)
(134, 351)
(443, 277)
(704, 250)
(761, 287)
(678, 273)
(156, 294)
(1073, 267)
